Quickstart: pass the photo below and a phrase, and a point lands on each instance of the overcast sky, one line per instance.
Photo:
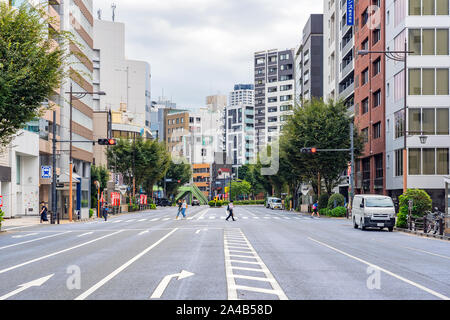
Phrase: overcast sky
(201, 47)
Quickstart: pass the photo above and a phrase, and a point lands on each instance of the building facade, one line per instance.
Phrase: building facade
(424, 26)
(274, 93)
(370, 96)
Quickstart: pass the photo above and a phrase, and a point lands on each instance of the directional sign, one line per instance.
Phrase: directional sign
(165, 282)
(25, 286)
(46, 172)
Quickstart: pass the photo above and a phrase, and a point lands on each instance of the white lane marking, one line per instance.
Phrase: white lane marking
(24, 235)
(231, 284)
(242, 256)
(244, 217)
(190, 218)
(247, 269)
(84, 234)
(117, 221)
(261, 290)
(420, 250)
(241, 251)
(165, 282)
(142, 220)
(201, 213)
(201, 218)
(13, 228)
(287, 218)
(16, 244)
(255, 217)
(266, 217)
(212, 217)
(155, 219)
(131, 220)
(143, 232)
(434, 293)
(165, 219)
(278, 218)
(240, 276)
(58, 252)
(99, 284)
(35, 283)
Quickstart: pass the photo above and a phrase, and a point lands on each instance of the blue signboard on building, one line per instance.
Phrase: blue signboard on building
(46, 172)
(350, 12)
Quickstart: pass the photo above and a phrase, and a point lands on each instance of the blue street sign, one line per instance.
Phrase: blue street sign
(350, 12)
(46, 172)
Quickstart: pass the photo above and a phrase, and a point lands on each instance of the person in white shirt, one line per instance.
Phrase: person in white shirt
(230, 210)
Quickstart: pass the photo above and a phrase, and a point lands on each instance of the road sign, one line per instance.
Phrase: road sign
(46, 172)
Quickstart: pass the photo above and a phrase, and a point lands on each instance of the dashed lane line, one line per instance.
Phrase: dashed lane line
(33, 240)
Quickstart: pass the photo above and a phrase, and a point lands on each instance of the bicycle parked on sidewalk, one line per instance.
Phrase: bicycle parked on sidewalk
(434, 221)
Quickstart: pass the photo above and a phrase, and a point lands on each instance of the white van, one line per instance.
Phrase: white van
(373, 211)
(274, 203)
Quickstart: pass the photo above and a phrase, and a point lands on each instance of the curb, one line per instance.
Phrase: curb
(421, 234)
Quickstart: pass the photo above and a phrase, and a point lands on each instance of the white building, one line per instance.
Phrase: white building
(125, 82)
(20, 175)
(242, 94)
(425, 26)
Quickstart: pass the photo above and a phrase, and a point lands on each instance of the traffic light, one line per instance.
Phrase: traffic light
(309, 150)
(107, 142)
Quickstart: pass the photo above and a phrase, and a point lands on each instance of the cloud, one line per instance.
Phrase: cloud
(202, 47)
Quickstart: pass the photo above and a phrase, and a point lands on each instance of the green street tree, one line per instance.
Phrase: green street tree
(252, 174)
(31, 66)
(324, 126)
(240, 188)
(177, 172)
(100, 174)
(145, 160)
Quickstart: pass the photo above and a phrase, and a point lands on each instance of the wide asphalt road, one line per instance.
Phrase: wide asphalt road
(265, 254)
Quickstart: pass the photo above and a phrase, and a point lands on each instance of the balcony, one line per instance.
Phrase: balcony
(249, 112)
(347, 69)
(250, 121)
(348, 46)
(347, 91)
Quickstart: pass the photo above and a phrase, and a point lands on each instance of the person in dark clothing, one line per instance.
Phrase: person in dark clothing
(180, 207)
(105, 211)
(43, 212)
(230, 208)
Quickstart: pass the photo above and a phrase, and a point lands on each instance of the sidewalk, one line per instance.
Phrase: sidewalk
(28, 221)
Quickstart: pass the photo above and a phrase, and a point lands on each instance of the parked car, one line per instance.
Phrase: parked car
(275, 203)
(195, 202)
(373, 211)
(163, 202)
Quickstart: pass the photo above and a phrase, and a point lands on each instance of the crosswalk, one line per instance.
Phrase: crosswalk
(207, 218)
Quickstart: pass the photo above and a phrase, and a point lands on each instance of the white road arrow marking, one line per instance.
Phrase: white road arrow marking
(165, 282)
(25, 286)
(25, 235)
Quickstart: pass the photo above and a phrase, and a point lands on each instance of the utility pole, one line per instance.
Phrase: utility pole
(352, 168)
(54, 202)
(70, 158)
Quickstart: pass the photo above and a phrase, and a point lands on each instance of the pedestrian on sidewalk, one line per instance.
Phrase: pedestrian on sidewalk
(105, 211)
(43, 212)
(315, 209)
(230, 208)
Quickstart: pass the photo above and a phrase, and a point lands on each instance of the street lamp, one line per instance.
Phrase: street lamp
(400, 56)
(75, 96)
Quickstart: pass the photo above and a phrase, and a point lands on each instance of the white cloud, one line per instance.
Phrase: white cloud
(202, 47)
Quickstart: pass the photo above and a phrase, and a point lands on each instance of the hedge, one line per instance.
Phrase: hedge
(340, 201)
(339, 212)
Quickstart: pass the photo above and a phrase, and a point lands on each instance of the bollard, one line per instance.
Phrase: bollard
(424, 224)
(441, 227)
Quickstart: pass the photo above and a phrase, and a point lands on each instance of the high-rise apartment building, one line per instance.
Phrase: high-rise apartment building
(274, 93)
(242, 94)
(424, 25)
(370, 96)
(338, 49)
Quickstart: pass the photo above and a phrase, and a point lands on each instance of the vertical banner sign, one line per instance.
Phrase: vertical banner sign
(350, 12)
(1, 201)
(143, 199)
(115, 199)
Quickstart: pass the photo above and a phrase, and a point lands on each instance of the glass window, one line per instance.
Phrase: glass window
(398, 162)
(414, 121)
(379, 202)
(427, 7)
(414, 7)
(442, 81)
(18, 170)
(442, 161)
(414, 41)
(428, 121)
(399, 123)
(428, 81)
(428, 41)
(428, 161)
(442, 122)
(442, 7)
(442, 41)
(414, 82)
(414, 161)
